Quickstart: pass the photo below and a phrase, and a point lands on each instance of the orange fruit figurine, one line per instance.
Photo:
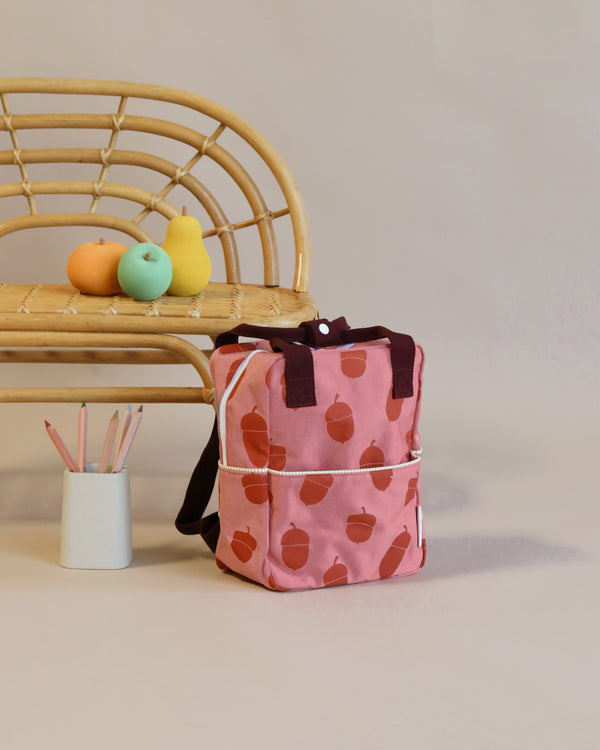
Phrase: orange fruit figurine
(92, 267)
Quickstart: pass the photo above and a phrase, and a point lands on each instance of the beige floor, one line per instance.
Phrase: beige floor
(494, 645)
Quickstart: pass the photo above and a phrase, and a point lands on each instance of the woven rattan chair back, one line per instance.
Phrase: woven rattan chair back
(118, 116)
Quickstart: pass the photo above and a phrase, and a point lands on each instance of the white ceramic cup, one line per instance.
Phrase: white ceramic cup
(96, 520)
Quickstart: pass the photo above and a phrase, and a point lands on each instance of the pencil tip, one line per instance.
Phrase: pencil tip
(82, 404)
(141, 408)
(116, 414)
(46, 423)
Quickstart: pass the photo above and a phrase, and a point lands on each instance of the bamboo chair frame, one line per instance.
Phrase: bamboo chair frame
(42, 323)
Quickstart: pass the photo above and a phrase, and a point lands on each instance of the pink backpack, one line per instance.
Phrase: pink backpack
(318, 454)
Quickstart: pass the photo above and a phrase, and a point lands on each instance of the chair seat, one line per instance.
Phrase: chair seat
(219, 307)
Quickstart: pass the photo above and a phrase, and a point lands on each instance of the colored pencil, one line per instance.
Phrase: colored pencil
(119, 461)
(82, 438)
(60, 446)
(108, 443)
(123, 429)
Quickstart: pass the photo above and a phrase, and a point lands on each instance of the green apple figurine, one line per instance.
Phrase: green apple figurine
(145, 271)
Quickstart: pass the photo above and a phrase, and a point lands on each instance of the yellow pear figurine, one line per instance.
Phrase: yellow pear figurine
(191, 263)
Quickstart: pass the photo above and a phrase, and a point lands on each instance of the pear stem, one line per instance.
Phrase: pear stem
(148, 255)
(102, 241)
(184, 211)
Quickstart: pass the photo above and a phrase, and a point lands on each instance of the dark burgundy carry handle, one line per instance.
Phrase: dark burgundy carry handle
(258, 332)
(402, 352)
(295, 344)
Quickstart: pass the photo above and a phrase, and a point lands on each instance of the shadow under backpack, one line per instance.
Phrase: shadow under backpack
(317, 451)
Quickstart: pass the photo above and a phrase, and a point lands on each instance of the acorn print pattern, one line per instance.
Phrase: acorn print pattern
(359, 526)
(245, 347)
(256, 488)
(284, 392)
(277, 457)
(393, 406)
(336, 575)
(359, 534)
(243, 544)
(230, 374)
(339, 419)
(271, 583)
(393, 557)
(233, 369)
(315, 488)
(412, 490)
(295, 547)
(371, 458)
(256, 438)
(354, 362)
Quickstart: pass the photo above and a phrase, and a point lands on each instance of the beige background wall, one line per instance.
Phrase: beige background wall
(448, 155)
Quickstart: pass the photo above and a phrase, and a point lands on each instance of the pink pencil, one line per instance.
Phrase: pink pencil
(82, 437)
(108, 443)
(123, 429)
(119, 461)
(61, 447)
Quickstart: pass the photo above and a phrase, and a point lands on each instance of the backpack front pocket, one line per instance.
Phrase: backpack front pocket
(329, 528)
(244, 503)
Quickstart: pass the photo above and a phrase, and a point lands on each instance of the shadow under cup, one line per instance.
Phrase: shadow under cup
(96, 520)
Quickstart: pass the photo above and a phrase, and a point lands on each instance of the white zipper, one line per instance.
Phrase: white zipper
(223, 403)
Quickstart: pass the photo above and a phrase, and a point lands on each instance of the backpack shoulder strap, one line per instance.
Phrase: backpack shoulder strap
(191, 518)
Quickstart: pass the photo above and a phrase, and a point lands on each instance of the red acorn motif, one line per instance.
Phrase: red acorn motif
(231, 373)
(315, 487)
(372, 458)
(256, 438)
(271, 583)
(340, 422)
(393, 406)
(295, 544)
(277, 457)
(412, 490)
(284, 391)
(354, 362)
(232, 370)
(230, 348)
(359, 526)
(243, 544)
(256, 487)
(336, 575)
(393, 557)
(221, 565)
(283, 388)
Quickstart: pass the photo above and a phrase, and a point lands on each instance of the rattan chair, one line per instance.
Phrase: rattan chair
(42, 322)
